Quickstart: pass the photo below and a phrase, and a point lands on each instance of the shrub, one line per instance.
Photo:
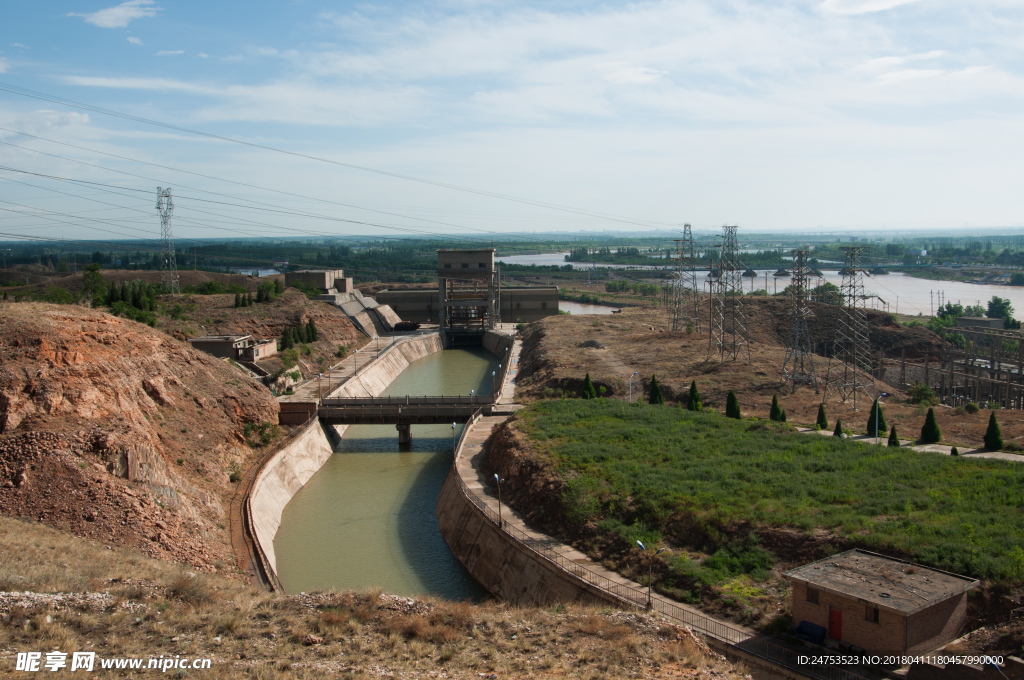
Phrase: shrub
(822, 418)
(971, 407)
(775, 413)
(922, 394)
(579, 499)
(782, 418)
(954, 451)
(342, 352)
(894, 440)
(993, 437)
(838, 432)
(693, 402)
(732, 406)
(588, 388)
(880, 426)
(930, 433)
(654, 395)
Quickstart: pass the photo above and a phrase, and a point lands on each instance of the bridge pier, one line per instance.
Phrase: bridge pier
(404, 433)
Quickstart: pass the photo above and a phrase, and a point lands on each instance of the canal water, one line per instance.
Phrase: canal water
(366, 518)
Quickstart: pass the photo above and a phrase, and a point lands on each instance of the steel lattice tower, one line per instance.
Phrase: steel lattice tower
(849, 368)
(728, 323)
(168, 264)
(685, 301)
(798, 367)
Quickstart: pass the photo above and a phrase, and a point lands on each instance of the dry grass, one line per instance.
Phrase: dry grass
(157, 608)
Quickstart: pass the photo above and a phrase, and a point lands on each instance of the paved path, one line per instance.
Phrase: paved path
(883, 439)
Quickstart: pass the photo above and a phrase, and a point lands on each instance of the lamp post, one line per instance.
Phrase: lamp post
(650, 571)
(493, 382)
(878, 411)
(635, 373)
(377, 338)
(453, 438)
(498, 481)
(472, 395)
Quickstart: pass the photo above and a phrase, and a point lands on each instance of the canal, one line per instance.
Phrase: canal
(366, 518)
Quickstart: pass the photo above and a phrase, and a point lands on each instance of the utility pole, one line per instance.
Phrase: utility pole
(849, 366)
(168, 263)
(728, 323)
(799, 353)
(685, 301)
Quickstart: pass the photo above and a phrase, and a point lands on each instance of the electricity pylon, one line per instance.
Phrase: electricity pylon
(798, 368)
(849, 369)
(168, 265)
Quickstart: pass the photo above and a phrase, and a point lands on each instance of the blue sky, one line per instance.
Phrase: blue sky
(800, 114)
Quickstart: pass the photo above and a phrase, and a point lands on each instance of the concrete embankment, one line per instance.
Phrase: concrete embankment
(287, 470)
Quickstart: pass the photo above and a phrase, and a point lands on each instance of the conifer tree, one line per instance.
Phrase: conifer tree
(299, 333)
(876, 409)
(249, 302)
(775, 413)
(278, 286)
(311, 331)
(238, 300)
(822, 418)
(732, 406)
(259, 295)
(693, 402)
(654, 394)
(894, 440)
(782, 418)
(993, 437)
(588, 388)
(954, 451)
(838, 432)
(930, 433)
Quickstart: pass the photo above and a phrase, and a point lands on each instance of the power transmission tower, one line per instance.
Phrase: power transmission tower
(728, 335)
(168, 265)
(685, 301)
(798, 367)
(849, 367)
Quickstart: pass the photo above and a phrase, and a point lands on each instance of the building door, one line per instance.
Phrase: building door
(835, 623)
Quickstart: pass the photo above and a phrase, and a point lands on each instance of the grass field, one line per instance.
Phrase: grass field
(641, 470)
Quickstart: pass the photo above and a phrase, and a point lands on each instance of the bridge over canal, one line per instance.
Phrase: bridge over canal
(402, 412)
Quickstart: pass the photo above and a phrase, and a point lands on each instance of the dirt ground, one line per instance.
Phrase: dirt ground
(79, 389)
(638, 340)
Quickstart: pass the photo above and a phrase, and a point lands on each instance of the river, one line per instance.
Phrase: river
(897, 292)
(366, 518)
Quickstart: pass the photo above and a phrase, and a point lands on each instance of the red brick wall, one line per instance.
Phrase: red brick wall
(885, 636)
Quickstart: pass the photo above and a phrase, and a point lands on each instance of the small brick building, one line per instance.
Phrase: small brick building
(880, 604)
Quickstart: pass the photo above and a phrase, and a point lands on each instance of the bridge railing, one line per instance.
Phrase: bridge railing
(631, 597)
(460, 400)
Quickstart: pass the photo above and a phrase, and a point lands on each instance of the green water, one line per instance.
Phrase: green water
(366, 518)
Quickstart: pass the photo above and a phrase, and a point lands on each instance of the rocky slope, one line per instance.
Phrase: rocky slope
(118, 432)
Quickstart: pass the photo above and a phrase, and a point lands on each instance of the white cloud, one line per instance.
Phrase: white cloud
(203, 55)
(862, 6)
(4, 65)
(134, 40)
(163, 53)
(121, 15)
(623, 74)
(24, 47)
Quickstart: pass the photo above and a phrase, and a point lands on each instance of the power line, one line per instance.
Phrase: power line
(24, 92)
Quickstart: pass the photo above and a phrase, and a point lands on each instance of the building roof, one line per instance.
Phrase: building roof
(467, 250)
(220, 338)
(883, 581)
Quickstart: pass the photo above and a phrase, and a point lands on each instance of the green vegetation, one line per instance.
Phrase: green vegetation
(930, 432)
(588, 388)
(877, 414)
(920, 393)
(822, 421)
(894, 439)
(775, 413)
(838, 432)
(654, 395)
(641, 472)
(971, 407)
(993, 437)
(732, 406)
(213, 288)
(693, 402)
(624, 286)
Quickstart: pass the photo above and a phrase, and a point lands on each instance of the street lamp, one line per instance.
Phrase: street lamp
(471, 396)
(453, 438)
(377, 338)
(493, 383)
(650, 571)
(498, 481)
(635, 373)
(878, 411)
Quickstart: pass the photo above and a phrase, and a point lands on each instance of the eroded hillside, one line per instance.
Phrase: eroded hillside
(119, 432)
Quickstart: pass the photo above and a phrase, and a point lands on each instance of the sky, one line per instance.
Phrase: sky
(836, 115)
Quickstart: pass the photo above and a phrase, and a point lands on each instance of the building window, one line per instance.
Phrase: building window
(447, 265)
(812, 596)
(465, 265)
(871, 614)
(543, 305)
(483, 265)
(518, 305)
